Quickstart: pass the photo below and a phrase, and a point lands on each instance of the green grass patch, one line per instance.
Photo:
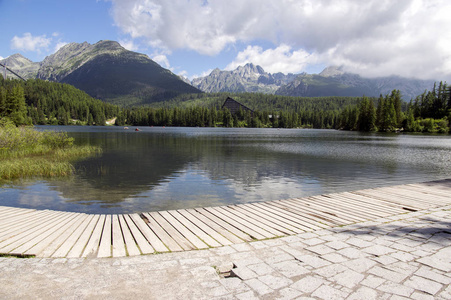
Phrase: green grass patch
(25, 152)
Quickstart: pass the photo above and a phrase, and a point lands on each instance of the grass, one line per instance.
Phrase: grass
(25, 152)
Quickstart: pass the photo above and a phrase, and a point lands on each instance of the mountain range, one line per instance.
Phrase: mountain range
(332, 81)
(248, 78)
(109, 72)
(106, 71)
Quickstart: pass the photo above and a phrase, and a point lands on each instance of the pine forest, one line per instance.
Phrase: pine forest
(43, 102)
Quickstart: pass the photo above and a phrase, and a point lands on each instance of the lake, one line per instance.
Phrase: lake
(172, 168)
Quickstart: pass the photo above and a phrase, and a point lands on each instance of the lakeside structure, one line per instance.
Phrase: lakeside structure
(234, 106)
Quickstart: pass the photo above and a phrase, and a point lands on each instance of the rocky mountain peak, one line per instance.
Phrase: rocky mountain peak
(247, 78)
(332, 71)
(22, 65)
(249, 71)
(74, 55)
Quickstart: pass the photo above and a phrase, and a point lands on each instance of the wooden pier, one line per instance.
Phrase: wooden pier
(47, 233)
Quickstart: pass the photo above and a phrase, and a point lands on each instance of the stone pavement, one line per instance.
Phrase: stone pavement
(406, 256)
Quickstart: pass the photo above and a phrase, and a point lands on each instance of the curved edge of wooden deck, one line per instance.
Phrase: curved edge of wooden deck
(47, 233)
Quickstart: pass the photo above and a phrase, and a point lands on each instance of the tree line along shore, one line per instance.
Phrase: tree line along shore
(43, 102)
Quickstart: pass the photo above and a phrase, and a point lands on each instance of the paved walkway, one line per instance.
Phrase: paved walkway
(397, 257)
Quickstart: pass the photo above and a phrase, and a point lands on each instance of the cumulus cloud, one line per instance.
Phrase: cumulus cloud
(162, 60)
(129, 45)
(274, 60)
(374, 37)
(29, 42)
(59, 45)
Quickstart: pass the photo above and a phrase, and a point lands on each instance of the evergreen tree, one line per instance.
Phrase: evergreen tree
(389, 116)
(380, 112)
(366, 115)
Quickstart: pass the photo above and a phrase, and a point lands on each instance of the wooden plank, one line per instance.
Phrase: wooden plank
(232, 231)
(141, 241)
(208, 240)
(172, 231)
(316, 220)
(7, 208)
(408, 198)
(59, 238)
(92, 247)
(187, 234)
(276, 216)
(77, 231)
(7, 216)
(80, 244)
(434, 190)
(18, 239)
(294, 205)
(118, 246)
(316, 205)
(259, 220)
(422, 196)
(443, 186)
(390, 206)
(342, 210)
(105, 239)
(243, 225)
(151, 237)
(212, 229)
(15, 220)
(392, 199)
(356, 208)
(388, 199)
(378, 208)
(162, 234)
(296, 216)
(408, 195)
(43, 241)
(130, 243)
(252, 227)
(18, 223)
(271, 219)
(29, 240)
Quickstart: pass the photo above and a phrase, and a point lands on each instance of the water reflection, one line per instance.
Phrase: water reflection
(170, 168)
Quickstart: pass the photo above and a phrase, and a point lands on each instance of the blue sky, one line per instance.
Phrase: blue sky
(409, 38)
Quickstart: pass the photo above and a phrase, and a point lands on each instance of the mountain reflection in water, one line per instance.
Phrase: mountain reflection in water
(172, 168)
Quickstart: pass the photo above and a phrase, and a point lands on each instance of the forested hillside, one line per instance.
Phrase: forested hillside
(428, 112)
(43, 102)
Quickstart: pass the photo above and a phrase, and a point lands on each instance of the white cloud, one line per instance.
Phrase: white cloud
(282, 58)
(183, 73)
(162, 60)
(129, 45)
(59, 45)
(30, 43)
(203, 74)
(408, 38)
(1, 57)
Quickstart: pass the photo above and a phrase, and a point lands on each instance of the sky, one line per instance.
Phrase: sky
(409, 38)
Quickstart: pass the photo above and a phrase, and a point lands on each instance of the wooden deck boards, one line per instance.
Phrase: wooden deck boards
(46, 233)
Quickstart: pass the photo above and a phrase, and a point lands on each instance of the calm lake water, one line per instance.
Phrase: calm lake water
(172, 168)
